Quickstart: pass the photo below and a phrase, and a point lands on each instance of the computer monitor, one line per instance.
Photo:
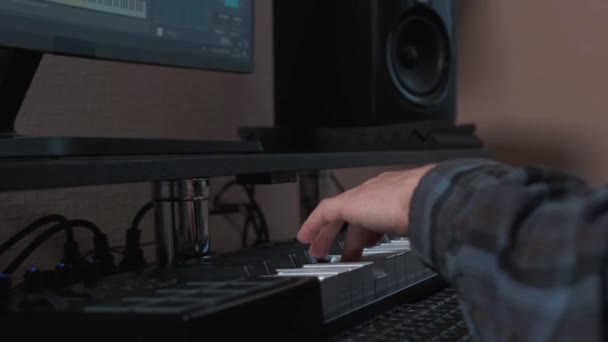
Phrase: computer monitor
(199, 34)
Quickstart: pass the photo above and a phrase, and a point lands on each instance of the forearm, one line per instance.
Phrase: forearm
(522, 246)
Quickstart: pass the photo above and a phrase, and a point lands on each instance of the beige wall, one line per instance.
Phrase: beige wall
(533, 76)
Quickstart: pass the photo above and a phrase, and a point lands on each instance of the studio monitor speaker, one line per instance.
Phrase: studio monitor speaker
(345, 63)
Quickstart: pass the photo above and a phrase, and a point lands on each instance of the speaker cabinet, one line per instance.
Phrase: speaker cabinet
(346, 63)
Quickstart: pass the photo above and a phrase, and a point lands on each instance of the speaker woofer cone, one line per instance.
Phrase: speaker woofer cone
(419, 55)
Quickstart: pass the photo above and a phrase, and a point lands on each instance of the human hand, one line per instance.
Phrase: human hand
(377, 207)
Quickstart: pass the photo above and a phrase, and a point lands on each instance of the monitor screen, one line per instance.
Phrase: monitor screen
(205, 34)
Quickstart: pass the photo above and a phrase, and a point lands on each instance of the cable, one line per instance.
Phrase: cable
(263, 237)
(245, 233)
(34, 226)
(101, 245)
(336, 182)
(220, 206)
(250, 219)
(217, 203)
(91, 253)
(39, 240)
(86, 224)
(119, 250)
(71, 254)
(140, 215)
(71, 250)
(133, 254)
(134, 232)
(254, 216)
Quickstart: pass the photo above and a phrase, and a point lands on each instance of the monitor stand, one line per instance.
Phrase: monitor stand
(17, 70)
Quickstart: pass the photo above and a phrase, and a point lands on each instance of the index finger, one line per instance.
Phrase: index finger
(327, 212)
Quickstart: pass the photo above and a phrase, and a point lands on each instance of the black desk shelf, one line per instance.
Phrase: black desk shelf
(33, 173)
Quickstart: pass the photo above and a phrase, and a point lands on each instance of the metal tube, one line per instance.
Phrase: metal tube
(181, 220)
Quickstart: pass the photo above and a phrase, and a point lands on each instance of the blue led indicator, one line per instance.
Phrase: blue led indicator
(3, 276)
(232, 3)
(61, 265)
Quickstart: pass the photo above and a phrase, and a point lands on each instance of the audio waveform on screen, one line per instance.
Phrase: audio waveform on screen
(130, 8)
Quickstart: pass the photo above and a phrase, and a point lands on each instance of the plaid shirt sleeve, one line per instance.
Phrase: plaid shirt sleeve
(525, 248)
